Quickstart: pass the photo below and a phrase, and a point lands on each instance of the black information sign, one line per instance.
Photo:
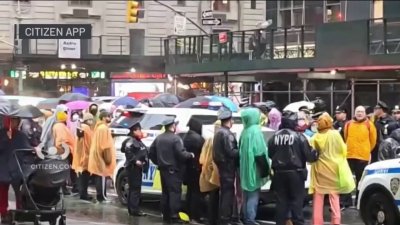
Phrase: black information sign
(55, 31)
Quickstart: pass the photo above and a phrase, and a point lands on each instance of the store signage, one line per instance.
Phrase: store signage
(62, 75)
(55, 31)
(139, 76)
(69, 48)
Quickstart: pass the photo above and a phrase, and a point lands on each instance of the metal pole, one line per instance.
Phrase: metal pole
(352, 97)
(175, 85)
(20, 77)
(226, 84)
(182, 14)
(261, 91)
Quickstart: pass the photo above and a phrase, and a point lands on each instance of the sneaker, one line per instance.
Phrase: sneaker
(103, 201)
(86, 198)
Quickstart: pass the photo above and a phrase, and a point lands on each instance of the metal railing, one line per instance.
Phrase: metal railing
(294, 42)
(384, 36)
(97, 45)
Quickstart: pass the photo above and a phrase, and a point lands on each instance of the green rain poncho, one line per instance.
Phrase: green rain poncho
(251, 144)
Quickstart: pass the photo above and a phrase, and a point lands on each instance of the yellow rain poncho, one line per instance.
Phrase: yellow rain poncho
(331, 168)
(209, 177)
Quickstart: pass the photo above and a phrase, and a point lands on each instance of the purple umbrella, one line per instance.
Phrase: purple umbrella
(78, 105)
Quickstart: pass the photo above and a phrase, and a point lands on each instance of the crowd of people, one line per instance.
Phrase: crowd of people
(223, 175)
(82, 135)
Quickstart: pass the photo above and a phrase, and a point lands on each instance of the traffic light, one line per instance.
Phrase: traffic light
(132, 11)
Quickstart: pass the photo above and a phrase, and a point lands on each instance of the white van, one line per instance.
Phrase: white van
(379, 195)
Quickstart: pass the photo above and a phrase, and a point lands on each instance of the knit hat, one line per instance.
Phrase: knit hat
(61, 116)
(325, 123)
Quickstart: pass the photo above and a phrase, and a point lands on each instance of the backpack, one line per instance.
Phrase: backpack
(346, 127)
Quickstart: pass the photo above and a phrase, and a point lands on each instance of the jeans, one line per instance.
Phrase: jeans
(250, 205)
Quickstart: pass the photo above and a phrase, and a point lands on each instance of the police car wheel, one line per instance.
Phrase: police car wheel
(122, 187)
(379, 210)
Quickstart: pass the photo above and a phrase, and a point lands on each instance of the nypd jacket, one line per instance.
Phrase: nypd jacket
(289, 151)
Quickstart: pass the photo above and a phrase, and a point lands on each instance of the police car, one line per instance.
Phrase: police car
(151, 119)
(379, 195)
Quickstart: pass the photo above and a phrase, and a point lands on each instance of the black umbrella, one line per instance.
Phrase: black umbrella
(27, 111)
(50, 103)
(70, 97)
(164, 100)
(189, 103)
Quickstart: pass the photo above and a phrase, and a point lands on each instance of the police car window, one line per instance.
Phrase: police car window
(153, 121)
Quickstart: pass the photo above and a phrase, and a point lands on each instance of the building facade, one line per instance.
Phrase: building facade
(115, 45)
(345, 52)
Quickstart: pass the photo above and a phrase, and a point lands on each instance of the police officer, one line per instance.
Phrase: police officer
(341, 119)
(289, 151)
(382, 122)
(225, 155)
(396, 116)
(136, 155)
(168, 153)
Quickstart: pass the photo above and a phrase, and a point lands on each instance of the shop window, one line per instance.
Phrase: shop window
(221, 5)
(333, 11)
(291, 13)
(80, 3)
(377, 9)
(181, 2)
(253, 4)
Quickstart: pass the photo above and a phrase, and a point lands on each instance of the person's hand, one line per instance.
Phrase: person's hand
(138, 163)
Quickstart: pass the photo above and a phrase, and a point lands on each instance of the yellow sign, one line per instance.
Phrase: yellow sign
(64, 75)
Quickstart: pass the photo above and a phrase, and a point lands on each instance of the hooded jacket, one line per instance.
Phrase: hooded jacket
(251, 145)
(361, 138)
(390, 147)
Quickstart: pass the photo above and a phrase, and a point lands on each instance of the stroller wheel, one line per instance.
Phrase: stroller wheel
(37, 220)
(62, 221)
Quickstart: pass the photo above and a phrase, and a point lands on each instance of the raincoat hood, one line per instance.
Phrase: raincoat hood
(47, 136)
(274, 117)
(250, 117)
(396, 135)
(251, 145)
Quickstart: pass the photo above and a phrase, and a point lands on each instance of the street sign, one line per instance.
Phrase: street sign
(207, 14)
(179, 25)
(211, 21)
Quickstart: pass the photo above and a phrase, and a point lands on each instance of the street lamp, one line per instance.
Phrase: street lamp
(73, 66)
(132, 70)
(63, 66)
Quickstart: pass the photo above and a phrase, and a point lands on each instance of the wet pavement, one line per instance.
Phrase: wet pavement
(80, 212)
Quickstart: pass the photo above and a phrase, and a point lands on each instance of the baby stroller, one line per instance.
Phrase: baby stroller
(41, 177)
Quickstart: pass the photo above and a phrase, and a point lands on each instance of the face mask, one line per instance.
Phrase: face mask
(314, 129)
(75, 117)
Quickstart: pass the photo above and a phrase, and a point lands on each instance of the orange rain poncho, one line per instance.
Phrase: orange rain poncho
(102, 159)
(62, 134)
(81, 157)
